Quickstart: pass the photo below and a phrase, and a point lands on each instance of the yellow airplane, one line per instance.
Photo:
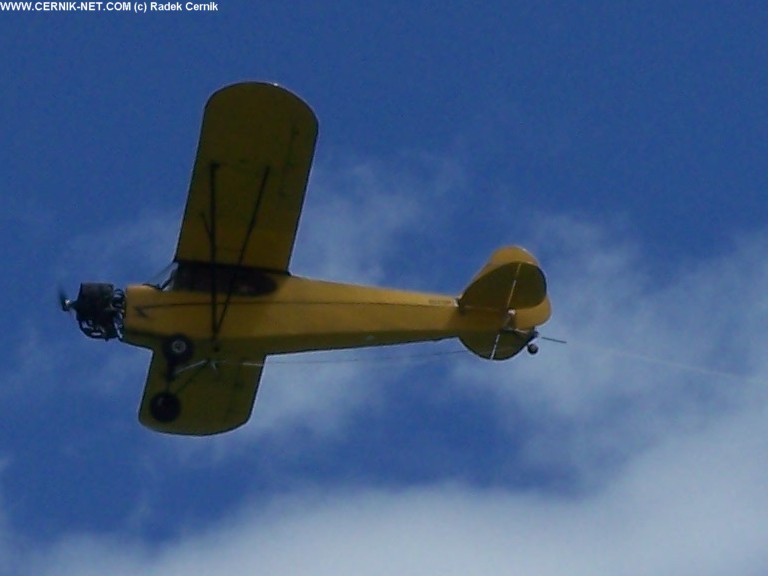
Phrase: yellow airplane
(230, 300)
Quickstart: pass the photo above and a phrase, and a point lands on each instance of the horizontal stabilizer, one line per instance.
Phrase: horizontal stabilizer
(499, 346)
(512, 280)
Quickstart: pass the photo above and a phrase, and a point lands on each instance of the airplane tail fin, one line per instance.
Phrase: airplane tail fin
(513, 286)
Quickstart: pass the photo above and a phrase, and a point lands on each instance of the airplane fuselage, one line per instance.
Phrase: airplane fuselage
(297, 315)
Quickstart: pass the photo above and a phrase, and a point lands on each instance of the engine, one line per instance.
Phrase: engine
(99, 310)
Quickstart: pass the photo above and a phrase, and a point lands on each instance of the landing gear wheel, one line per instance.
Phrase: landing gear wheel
(178, 348)
(532, 348)
(165, 407)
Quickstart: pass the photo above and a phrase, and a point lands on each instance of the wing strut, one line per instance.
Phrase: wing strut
(217, 319)
(215, 325)
(251, 225)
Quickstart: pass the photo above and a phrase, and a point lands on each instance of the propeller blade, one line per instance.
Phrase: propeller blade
(65, 303)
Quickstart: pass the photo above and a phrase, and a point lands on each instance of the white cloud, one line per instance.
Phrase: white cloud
(312, 391)
(122, 248)
(695, 504)
(358, 216)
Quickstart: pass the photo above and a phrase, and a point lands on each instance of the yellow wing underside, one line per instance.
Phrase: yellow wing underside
(249, 178)
(213, 397)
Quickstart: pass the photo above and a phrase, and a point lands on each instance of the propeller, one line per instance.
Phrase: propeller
(65, 303)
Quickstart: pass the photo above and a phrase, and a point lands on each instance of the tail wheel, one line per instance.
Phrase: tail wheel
(178, 348)
(165, 407)
(532, 348)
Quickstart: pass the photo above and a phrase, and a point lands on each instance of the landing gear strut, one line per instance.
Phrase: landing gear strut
(165, 406)
(177, 349)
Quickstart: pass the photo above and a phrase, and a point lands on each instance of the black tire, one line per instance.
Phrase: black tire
(165, 407)
(178, 348)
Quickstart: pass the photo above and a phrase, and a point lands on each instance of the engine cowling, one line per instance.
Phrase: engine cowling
(99, 310)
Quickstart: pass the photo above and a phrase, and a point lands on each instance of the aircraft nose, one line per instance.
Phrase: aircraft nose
(99, 309)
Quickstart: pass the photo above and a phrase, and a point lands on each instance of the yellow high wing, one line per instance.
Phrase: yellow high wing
(249, 179)
(248, 184)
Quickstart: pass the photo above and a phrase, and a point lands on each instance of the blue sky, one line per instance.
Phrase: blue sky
(623, 145)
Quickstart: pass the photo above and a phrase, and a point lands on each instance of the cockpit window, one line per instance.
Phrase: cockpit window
(200, 276)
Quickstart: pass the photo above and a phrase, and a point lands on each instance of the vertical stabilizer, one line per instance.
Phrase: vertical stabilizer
(513, 286)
